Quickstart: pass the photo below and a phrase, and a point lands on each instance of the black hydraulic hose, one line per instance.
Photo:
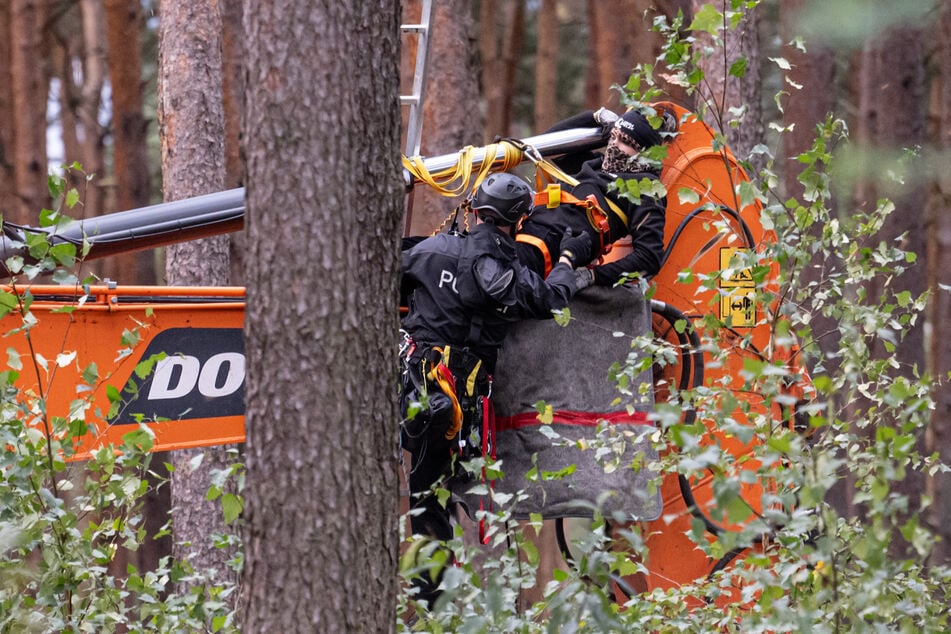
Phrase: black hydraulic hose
(690, 352)
(690, 340)
(569, 558)
(747, 233)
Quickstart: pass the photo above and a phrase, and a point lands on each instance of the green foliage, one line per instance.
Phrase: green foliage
(795, 557)
(63, 522)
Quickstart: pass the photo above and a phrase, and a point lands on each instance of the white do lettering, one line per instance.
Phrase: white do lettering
(191, 373)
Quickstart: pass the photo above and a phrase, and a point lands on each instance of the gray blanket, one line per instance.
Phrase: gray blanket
(579, 462)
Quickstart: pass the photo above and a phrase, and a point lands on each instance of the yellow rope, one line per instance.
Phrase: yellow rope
(457, 179)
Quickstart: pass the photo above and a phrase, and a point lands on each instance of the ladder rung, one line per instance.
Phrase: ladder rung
(409, 100)
(414, 27)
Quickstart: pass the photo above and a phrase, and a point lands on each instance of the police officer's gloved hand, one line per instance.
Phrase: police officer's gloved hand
(584, 277)
(576, 248)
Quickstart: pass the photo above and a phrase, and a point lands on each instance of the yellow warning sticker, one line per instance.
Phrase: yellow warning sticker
(730, 259)
(738, 308)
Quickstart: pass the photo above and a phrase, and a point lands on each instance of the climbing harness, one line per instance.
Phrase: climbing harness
(550, 194)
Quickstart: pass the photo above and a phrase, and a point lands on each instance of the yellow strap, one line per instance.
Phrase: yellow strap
(470, 381)
(554, 171)
(457, 178)
(617, 210)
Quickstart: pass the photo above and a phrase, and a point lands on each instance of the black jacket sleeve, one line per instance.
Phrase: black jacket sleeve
(536, 297)
(571, 163)
(646, 224)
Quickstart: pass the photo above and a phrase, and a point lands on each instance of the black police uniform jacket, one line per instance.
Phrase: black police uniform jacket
(467, 290)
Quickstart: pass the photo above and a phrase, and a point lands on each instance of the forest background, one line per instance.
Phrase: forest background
(85, 79)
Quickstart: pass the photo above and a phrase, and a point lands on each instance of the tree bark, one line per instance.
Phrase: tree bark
(938, 230)
(451, 114)
(90, 99)
(324, 200)
(546, 66)
(803, 109)
(191, 127)
(892, 111)
(28, 85)
(728, 103)
(130, 161)
(232, 88)
(8, 201)
(808, 106)
(511, 54)
(491, 58)
(592, 81)
(621, 38)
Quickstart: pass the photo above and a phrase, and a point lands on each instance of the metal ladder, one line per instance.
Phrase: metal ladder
(414, 126)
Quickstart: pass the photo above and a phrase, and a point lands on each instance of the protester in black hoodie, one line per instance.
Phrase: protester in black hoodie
(541, 232)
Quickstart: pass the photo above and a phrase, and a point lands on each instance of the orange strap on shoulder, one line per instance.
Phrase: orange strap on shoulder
(553, 196)
(539, 244)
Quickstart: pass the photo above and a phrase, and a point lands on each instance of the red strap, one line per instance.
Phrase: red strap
(488, 429)
(568, 417)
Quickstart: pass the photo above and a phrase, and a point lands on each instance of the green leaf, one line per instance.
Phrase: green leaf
(545, 412)
(738, 68)
(13, 359)
(90, 374)
(688, 196)
(231, 505)
(708, 20)
(64, 253)
(737, 510)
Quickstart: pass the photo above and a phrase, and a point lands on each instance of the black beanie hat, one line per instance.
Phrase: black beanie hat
(635, 125)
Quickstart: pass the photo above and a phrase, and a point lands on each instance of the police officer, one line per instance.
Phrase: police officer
(541, 232)
(464, 291)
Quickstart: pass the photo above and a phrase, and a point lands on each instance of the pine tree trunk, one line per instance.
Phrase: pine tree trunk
(130, 164)
(90, 99)
(232, 88)
(723, 98)
(490, 54)
(511, 54)
(892, 113)
(938, 230)
(8, 200)
(324, 200)
(546, 66)
(451, 114)
(191, 120)
(803, 110)
(28, 85)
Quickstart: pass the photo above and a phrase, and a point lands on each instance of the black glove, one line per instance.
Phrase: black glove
(577, 248)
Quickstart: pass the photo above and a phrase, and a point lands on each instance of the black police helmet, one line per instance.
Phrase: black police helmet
(503, 198)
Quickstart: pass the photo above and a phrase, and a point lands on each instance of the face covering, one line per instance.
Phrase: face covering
(617, 162)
